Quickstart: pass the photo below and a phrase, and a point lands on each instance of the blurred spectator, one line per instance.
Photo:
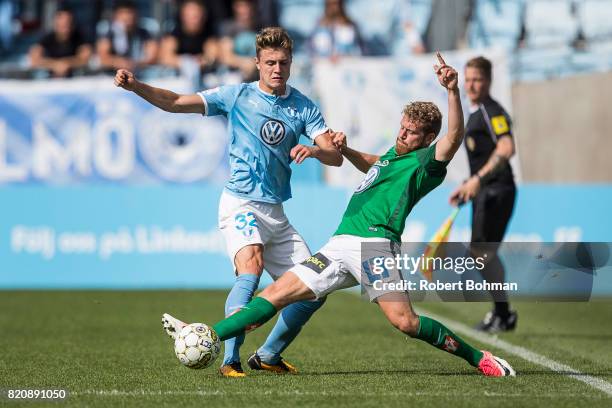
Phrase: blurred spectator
(238, 39)
(124, 43)
(219, 11)
(336, 34)
(448, 24)
(406, 37)
(409, 40)
(192, 41)
(268, 13)
(86, 18)
(62, 50)
(7, 12)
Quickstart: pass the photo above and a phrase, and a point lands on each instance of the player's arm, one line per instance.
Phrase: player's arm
(162, 98)
(315, 128)
(362, 161)
(323, 150)
(448, 145)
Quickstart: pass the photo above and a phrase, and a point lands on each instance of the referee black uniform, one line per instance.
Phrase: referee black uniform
(492, 207)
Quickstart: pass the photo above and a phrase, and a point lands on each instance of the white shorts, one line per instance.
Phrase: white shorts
(338, 265)
(243, 222)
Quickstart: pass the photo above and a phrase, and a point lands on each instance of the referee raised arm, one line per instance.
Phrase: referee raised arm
(490, 145)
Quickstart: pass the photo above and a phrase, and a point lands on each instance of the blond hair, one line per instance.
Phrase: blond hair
(426, 114)
(482, 64)
(273, 37)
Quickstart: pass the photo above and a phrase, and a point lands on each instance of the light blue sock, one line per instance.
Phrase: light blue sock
(240, 295)
(291, 320)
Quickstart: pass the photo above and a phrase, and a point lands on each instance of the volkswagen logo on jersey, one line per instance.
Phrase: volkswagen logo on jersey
(272, 132)
(370, 177)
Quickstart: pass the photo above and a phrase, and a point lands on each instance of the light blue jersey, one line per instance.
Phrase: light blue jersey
(263, 130)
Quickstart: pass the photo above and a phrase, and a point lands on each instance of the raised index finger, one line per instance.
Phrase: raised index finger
(440, 59)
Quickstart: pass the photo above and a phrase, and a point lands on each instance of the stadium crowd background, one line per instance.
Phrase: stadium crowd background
(547, 38)
(544, 40)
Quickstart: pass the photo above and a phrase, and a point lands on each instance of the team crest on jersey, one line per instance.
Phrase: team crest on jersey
(292, 111)
(370, 177)
(272, 132)
(471, 143)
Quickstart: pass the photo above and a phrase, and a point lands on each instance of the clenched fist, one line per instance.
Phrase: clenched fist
(125, 79)
(339, 140)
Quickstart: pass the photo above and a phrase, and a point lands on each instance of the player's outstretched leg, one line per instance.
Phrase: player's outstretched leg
(397, 308)
(253, 314)
(289, 324)
(440, 336)
(172, 325)
(286, 290)
(240, 294)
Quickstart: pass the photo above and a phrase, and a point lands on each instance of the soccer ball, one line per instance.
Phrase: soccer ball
(197, 346)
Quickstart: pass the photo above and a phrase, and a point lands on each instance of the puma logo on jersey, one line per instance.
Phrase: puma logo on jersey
(383, 163)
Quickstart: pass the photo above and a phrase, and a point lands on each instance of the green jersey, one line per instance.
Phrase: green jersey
(385, 197)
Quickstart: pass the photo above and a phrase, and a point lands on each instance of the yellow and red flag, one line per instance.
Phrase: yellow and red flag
(432, 249)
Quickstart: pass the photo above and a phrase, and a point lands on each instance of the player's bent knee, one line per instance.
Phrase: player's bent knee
(250, 266)
(249, 260)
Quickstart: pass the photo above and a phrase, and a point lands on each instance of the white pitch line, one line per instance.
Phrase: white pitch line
(525, 354)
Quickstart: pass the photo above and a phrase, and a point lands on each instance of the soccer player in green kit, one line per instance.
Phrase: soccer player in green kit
(376, 213)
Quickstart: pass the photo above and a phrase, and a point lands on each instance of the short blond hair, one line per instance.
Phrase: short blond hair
(273, 37)
(425, 113)
(482, 64)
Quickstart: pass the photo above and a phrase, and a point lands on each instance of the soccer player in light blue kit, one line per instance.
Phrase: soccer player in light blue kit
(266, 120)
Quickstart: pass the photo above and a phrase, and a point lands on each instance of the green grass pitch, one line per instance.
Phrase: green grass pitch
(108, 349)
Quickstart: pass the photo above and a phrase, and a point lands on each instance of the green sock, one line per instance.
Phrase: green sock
(438, 335)
(255, 313)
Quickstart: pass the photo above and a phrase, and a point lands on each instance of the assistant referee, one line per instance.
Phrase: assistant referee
(490, 145)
